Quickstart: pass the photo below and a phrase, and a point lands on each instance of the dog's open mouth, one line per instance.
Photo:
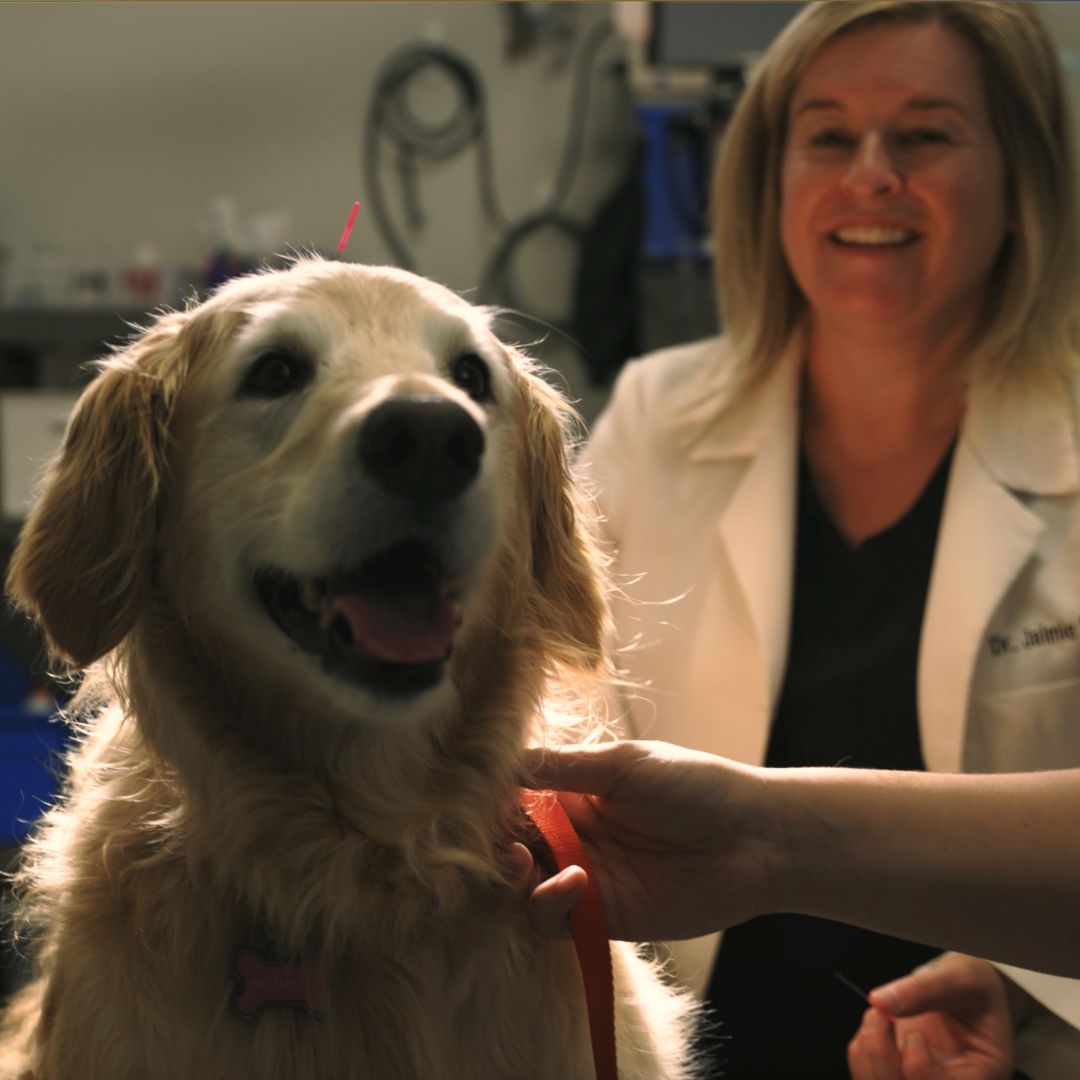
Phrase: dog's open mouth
(387, 625)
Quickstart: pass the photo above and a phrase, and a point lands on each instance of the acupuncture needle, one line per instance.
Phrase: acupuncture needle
(343, 242)
(851, 986)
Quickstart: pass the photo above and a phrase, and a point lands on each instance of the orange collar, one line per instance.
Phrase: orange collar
(588, 927)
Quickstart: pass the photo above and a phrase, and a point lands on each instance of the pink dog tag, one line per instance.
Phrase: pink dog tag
(263, 983)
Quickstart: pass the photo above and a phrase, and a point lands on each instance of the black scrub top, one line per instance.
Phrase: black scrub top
(779, 1007)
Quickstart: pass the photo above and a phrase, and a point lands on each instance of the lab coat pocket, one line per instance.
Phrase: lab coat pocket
(1032, 727)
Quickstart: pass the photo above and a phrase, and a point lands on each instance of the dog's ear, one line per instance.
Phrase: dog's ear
(83, 564)
(569, 599)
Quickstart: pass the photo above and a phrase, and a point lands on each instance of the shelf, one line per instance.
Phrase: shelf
(67, 328)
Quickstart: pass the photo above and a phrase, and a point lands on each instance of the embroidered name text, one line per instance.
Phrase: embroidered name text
(1034, 637)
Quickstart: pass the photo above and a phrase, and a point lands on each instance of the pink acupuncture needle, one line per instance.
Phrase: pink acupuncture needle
(343, 242)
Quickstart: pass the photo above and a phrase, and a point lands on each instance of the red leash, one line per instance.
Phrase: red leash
(587, 925)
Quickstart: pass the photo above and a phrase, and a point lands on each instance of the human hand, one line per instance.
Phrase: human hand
(671, 835)
(949, 1020)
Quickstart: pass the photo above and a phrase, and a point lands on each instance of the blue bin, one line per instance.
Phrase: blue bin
(31, 743)
(675, 181)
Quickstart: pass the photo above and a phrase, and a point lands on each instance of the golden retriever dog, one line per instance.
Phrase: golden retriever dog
(316, 548)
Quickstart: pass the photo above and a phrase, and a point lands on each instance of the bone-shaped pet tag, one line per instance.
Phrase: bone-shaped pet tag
(263, 983)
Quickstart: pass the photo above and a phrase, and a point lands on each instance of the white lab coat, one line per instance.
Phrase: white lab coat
(698, 496)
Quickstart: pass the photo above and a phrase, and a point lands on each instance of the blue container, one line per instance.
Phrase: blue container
(675, 181)
(31, 743)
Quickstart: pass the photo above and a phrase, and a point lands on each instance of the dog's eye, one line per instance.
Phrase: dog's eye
(275, 373)
(471, 373)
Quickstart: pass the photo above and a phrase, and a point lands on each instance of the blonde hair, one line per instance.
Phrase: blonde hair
(1030, 328)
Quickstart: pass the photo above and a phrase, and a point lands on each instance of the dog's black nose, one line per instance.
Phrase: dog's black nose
(421, 446)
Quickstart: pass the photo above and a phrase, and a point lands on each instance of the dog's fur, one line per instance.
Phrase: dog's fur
(226, 791)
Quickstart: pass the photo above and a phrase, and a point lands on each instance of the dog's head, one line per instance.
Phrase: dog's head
(335, 474)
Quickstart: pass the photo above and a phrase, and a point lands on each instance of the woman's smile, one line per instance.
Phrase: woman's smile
(873, 236)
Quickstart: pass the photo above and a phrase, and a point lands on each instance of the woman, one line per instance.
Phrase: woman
(897, 266)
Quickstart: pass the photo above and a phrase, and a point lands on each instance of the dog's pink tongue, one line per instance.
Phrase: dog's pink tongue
(398, 628)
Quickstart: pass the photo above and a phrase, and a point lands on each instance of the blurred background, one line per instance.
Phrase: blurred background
(549, 158)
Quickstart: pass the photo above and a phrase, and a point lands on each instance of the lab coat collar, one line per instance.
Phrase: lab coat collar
(1013, 446)
(755, 520)
(987, 535)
